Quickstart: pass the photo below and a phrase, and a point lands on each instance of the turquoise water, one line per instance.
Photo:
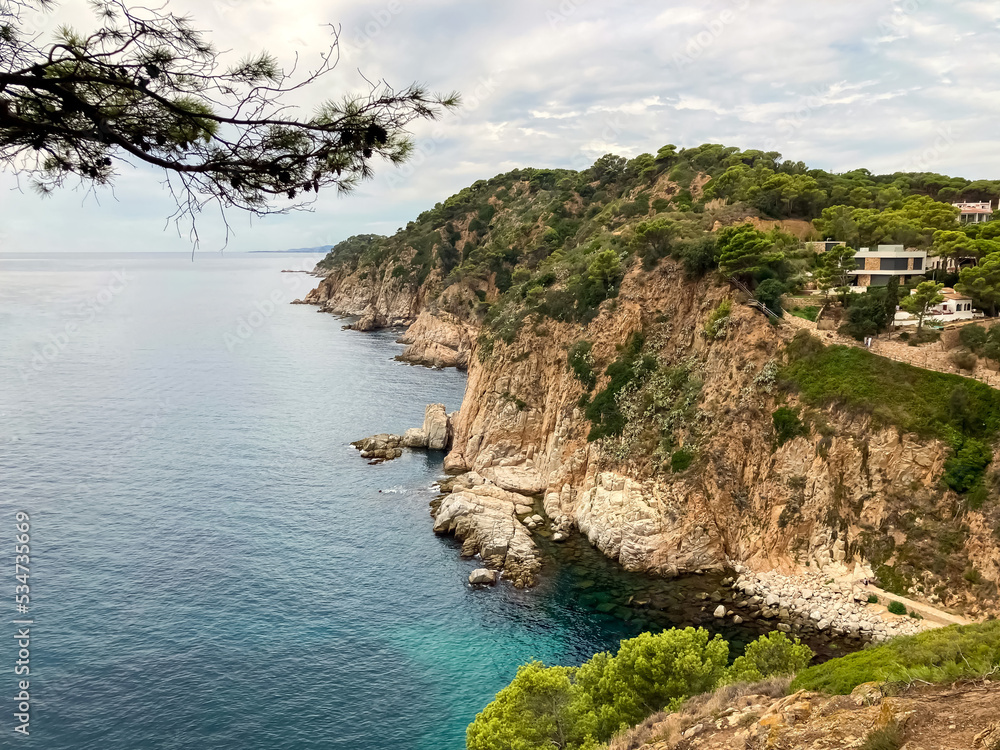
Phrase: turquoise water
(213, 566)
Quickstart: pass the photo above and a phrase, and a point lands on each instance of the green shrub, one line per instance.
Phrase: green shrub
(897, 608)
(787, 425)
(681, 460)
(872, 599)
(963, 359)
(542, 707)
(769, 294)
(575, 708)
(581, 362)
(718, 321)
(651, 672)
(769, 656)
(973, 337)
(604, 411)
(697, 256)
(889, 737)
(973, 576)
(940, 655)
(976, 497)
(966, 467)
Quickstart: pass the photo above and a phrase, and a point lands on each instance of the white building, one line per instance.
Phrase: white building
(975, 213)
(956, 306)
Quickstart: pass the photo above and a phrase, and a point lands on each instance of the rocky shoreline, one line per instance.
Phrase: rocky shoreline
(435, 435)
(816, 602)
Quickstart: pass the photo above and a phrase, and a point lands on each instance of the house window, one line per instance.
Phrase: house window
(918, 264)
(892, 264)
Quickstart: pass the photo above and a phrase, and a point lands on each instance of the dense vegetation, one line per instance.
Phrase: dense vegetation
(541, 244)
(583, 707)
(941, 655)
(580, 707)
(961, 412)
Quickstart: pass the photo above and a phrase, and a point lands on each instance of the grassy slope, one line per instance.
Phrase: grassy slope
(942, 655)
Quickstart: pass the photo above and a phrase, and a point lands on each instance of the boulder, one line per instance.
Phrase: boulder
(720, 612)
(415, 437)
(483, 577)
(436, 427)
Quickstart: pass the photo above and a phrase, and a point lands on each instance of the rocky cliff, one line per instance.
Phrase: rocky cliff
(814, 501)
(823, 500)
(642, 405)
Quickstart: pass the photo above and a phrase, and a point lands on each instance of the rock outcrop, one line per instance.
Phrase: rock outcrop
(378, 301)
(485, 518)
(438, 339)
(816, 500)
(435, 435)
(483, 577)
(928, 717)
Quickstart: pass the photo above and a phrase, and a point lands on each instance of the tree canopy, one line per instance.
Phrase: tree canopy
(147, 87)
(576, 708)
(746, 251)
(982, 283)
(912, 222)
(925, 296)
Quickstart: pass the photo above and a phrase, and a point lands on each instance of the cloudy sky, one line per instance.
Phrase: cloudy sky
(886, 85)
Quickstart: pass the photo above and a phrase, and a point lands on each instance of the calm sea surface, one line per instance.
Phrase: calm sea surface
(212, 565)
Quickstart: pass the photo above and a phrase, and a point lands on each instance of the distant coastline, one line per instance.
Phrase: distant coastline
(322, 249)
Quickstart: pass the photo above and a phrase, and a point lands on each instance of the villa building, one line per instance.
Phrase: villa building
(956, 306)
(876, 267)
(975, 213)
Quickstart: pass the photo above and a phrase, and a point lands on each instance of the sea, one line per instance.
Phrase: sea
(210, 564)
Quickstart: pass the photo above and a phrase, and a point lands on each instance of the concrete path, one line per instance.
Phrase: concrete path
(931, 614)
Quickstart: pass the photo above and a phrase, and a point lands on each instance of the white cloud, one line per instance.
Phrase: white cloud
(560, 82)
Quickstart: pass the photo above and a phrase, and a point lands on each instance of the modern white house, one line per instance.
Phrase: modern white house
(876, 267)
(956, 306)
(975, 213)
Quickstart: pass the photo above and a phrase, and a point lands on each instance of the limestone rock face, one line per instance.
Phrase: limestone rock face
(521, 425)
(804, 505)
(379, 300)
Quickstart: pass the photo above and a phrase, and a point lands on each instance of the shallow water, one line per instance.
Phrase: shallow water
(213, 566)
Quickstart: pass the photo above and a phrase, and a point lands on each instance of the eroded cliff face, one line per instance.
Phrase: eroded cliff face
(818, 500)
(380, 300)
(441, 327)
(833, 499)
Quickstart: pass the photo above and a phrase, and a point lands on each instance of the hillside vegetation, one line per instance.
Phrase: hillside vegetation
(554, 243)
(654, 676)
